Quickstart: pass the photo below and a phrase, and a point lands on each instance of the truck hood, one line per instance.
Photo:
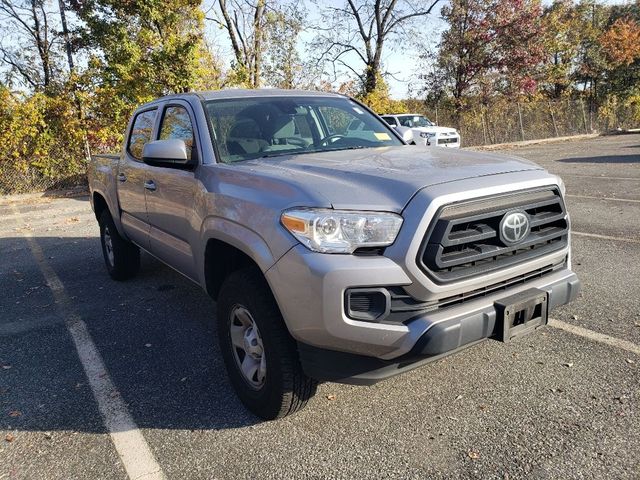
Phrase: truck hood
(383, 178)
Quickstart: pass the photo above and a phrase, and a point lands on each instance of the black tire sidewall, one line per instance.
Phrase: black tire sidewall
(126, 256)
(107, 222)
(266, 401)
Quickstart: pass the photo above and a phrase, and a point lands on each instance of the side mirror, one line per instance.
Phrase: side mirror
(406, 134)
(166, 153)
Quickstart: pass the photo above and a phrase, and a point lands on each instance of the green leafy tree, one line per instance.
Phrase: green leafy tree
(139, 50)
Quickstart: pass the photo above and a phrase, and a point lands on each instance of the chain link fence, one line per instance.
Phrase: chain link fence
(14, 181)
(514, 122)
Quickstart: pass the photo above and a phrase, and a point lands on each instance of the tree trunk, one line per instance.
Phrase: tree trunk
(553, 119)
(520, 122)
(65, 34)
(41, 44)
(258, 33)
(232, 36)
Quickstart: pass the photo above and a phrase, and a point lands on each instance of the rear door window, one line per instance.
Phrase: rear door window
(141, 132)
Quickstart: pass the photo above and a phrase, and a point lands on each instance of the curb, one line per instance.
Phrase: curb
(44, 196)
(541, 141)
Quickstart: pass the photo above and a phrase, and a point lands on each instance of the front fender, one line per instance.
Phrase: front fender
(240, 237)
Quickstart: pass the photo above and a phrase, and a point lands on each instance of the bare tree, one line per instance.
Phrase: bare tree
(245, 24)
(29, 21)
(362, 28)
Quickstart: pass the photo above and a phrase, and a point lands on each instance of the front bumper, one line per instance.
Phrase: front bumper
(309, 288)
(443, 337)
(448, 141)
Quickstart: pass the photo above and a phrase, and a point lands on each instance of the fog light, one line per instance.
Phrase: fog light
(369, 304)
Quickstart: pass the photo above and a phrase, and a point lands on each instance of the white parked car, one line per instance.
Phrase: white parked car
(424, 131)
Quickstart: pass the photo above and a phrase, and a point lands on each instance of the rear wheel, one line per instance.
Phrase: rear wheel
(260, 355)
(121, 257)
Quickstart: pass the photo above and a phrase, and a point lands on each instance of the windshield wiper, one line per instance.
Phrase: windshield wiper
(281, 154)
(296, 152)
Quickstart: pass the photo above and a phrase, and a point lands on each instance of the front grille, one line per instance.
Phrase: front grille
(464, 240)
(445, 141)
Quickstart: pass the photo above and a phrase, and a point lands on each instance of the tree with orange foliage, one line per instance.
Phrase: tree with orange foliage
(621, 42)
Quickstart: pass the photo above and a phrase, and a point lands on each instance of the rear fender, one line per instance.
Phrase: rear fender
(102, 181)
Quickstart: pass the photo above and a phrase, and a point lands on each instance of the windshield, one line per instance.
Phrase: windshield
(257, 127)
(414, 121)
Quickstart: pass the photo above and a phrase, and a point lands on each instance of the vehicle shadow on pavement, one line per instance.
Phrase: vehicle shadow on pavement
(156, 335)
(603, 159)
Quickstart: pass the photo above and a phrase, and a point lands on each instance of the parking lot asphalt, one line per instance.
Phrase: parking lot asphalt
(551, 405)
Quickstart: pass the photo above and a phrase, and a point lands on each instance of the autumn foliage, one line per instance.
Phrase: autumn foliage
(621, 42)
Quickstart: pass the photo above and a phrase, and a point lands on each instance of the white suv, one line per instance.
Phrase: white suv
(424, 131)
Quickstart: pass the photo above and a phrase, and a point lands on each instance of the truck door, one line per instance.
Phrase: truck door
(170, 200)
(131, 177)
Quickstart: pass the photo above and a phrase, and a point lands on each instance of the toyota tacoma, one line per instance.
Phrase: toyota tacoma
(334, 250)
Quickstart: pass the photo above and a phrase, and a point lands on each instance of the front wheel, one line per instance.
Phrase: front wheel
(260, 355)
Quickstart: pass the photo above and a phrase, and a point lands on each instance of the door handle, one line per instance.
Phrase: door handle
(150, 185)
(122, 177)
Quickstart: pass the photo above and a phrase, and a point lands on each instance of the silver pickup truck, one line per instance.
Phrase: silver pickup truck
(334, 253)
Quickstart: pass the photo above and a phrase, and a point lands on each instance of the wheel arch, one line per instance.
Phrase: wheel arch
(220, 260)
(228, 247)
(99, 204)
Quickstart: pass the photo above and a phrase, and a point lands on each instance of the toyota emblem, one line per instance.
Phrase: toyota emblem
(514, 227)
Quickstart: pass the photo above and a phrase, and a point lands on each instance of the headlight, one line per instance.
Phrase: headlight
(427, 134)
(341, 231)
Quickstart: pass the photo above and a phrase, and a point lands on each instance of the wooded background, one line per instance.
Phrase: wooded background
(72, 71)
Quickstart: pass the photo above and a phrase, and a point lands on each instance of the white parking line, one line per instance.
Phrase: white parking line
(134, 452)
(629, 200)
(605, 237)
(595, 336)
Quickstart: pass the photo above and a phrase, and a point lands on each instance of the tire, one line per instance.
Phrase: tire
(278, 387)
(121, 257)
